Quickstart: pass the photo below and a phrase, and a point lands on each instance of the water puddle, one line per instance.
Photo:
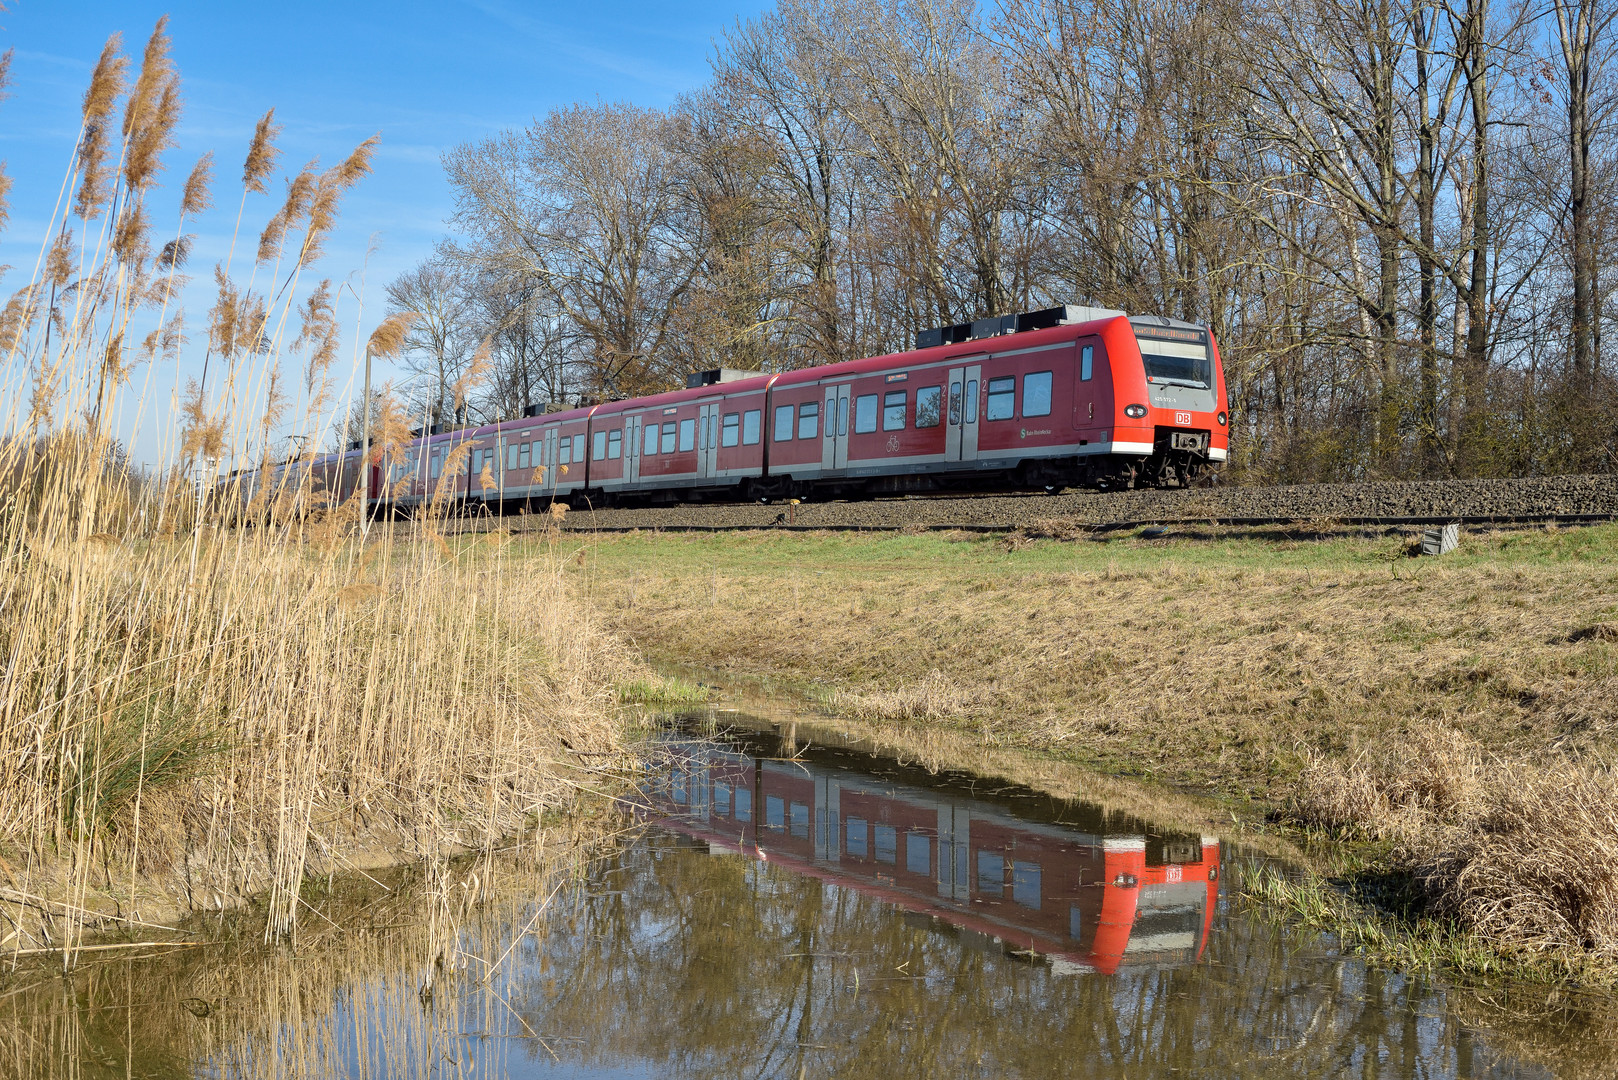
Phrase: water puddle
(775, 909)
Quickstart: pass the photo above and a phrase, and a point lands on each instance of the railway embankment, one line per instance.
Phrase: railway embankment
(1476, 500)
(1454, 715)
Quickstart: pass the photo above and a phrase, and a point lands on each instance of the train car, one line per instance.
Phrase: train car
(706, 440)
(1086, 901)
(1047, 399)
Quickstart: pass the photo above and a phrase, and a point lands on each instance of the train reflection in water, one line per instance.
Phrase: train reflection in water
(1088, 901)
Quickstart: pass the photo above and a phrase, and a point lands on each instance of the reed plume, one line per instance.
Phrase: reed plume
(106, 87)
(387, 341)
(151, 112)
(175, 253)
(262, 154)
(196, 197)
(300, 192)
(328, 193)
(472, 376)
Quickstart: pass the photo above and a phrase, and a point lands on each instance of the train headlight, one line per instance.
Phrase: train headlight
(1135, 411)
(1221, 418)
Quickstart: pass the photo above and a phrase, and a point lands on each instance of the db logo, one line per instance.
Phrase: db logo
(1173, 873)
(1182, 418)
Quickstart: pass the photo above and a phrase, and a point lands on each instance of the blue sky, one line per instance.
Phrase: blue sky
(427, 76)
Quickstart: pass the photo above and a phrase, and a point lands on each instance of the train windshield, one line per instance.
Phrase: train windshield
(1176, 356)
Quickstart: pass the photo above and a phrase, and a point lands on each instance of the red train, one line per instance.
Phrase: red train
(1086, 902)
(1046, 399)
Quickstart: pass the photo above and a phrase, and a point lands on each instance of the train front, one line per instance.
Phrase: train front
(1173, 409)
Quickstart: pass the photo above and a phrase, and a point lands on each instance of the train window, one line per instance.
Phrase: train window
(511, 455)
(929, 406)
(1025, 884)
(783, 423)
(1086, 367)
(1036, 394)
(842, 416)
(857, 837)
(598, 446)
(438, 464)
(809, 420)
(954, 403)
(775, 812)
(523, 455)
(893, 411)
(668, 437)
(1075, 922)
(886, 843)
(615, 445)
(721, 799)
(578, 447)
(567, 453)
(651, 438)
(1002, 399)
(477, 459)
(918, 853)
(750, 426)
(864, 414)
(799, 815)
(730, 430)
(991, 873)
(744, 804)
(688, 435)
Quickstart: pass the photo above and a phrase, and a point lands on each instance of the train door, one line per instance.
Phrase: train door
(632, 438)
(708, 441)
(961, 441)
(551, 468)
(834, 423)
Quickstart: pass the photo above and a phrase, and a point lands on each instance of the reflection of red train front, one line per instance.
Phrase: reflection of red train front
(1086, 901)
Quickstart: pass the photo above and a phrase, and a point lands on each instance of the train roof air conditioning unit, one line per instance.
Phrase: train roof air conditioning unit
(997, 325)
(695, 379)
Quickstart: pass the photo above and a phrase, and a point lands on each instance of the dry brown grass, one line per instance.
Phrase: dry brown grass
(1522, 851)
(934, 696)
(1395, 789)
(1533, 863)
(1191, 661)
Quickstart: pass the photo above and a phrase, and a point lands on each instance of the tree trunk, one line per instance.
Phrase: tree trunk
(1426, 197)
(1474, 420)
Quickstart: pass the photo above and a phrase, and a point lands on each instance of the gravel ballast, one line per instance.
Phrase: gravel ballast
(1546, 497)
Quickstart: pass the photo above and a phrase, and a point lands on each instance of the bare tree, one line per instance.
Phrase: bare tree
(584, 201)
(442, 338)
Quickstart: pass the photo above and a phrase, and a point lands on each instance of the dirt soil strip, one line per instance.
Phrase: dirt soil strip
(1568, 498)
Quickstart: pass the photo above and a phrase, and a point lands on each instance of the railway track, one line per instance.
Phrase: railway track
(1125, 526)
(1567, 500)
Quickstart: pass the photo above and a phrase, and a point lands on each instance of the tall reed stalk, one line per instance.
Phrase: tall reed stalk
(199, 703)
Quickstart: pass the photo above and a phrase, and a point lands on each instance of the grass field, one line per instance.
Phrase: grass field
(1216, 660)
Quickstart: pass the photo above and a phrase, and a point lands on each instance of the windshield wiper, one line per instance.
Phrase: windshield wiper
(1168, 380)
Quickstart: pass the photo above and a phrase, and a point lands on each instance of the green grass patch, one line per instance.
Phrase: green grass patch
(659, 692)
